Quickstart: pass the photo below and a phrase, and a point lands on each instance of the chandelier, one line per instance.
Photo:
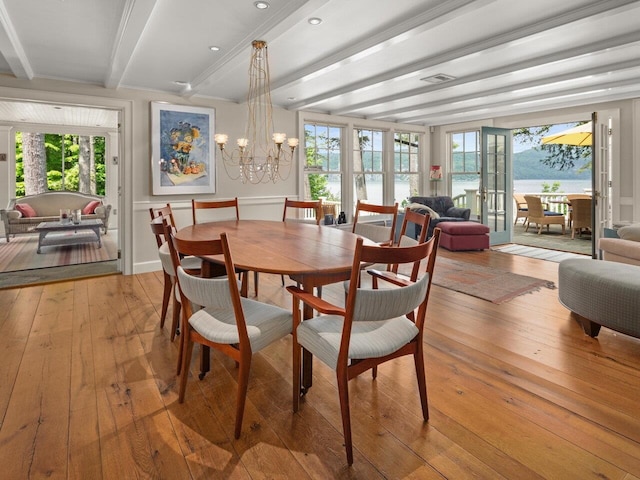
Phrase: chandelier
(261, 156)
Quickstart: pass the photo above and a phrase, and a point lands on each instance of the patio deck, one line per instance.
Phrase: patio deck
(552, 240)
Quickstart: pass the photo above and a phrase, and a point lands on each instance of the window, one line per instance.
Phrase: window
(465, 162)
(406, 161)
(323, 166)
(368, 166)
(49, 161)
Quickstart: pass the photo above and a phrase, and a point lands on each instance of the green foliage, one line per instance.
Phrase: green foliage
(553, 188)
(558, 157)
(69, 164)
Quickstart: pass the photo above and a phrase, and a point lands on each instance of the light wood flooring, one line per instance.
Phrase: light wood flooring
(88, 391)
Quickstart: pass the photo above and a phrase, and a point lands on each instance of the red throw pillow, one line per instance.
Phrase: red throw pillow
(26, 210)
(90, 207)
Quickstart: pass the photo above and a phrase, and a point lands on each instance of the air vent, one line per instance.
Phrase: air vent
(438, 78)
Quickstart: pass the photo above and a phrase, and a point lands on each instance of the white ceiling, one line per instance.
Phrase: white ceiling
(368, 58)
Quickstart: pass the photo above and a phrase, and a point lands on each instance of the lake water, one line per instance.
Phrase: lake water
(374, 189)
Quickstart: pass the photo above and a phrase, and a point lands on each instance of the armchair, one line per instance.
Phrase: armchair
(441, 209)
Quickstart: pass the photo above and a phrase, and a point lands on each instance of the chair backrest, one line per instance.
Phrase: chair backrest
(216, 292)
(315, 205)
(574, 196)
(520, 201)
(367, 304)
(419, 220)
(581, 212)
(382, 234)
(158, 230)
(534, 205)
(211, 204)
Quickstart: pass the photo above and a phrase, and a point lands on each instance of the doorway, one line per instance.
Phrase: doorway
(65, 126)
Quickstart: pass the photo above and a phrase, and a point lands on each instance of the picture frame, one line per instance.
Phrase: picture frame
(182, 149)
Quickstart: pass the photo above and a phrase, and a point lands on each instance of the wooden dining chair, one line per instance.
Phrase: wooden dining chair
(381, 234)
(235, 214)
(233, 325)
(542, 217)
(301, 206)
(374, 326)
(161, 228)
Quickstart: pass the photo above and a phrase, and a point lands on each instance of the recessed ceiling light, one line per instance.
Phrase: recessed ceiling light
(214, 48)
(181, 82)
(315, 21)
(57, 108)
(261, 5)
(291, 98)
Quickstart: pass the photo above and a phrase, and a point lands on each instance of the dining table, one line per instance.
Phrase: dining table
(309, 254)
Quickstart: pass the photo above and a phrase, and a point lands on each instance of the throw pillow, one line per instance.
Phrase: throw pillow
(421, 206)
(26, 210)
(630, 232)
(90, 207)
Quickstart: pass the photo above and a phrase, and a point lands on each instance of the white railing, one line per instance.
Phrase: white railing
(553, 202)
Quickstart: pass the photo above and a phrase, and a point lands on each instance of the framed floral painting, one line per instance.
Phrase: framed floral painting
(182, 149)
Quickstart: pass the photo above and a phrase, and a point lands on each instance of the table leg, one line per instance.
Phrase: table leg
(307, 358)
(41, 236)
(97, 232)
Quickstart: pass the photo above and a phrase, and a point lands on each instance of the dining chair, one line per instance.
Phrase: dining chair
(570, 198)
(302, 206)
(166, 212)
(159, 231)
(381, 234)
(234, 325)
(221, 204)
(581, 214)
(161, 228)
(372, 328)
(542, 217)
(521, 208)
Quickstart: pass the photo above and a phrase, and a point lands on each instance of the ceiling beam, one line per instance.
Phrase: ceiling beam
(135, 17)
(599, 46)
(11, 47)
(492, 41)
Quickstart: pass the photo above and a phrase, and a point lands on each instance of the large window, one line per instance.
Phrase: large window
(465, 162)
(406, 166)
(50, 162)
(323, 166)
(368, 166)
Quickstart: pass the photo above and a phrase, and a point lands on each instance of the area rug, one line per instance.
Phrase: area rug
(20, 253)
(487, 283)
(539, 253)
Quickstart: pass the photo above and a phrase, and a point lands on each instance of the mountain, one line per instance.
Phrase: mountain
(527, 165)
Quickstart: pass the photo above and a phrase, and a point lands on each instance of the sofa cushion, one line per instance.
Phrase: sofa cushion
(26, 210)
(630, 232)
(90, 207)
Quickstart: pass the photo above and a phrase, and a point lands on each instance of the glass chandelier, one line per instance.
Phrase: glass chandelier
(260, 156)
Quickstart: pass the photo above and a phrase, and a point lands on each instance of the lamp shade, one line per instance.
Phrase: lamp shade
(435, 173)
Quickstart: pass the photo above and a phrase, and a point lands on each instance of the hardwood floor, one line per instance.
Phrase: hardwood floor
(88, 390)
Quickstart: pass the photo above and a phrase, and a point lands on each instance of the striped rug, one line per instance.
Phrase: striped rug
(20, 253)
(534, 252)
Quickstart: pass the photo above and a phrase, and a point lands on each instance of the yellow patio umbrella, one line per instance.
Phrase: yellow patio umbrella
(580, 136)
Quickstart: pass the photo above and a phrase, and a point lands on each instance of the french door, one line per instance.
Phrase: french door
(603, 146)
(496, 183)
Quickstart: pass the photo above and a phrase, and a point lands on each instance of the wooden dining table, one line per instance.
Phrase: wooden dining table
(311, 255)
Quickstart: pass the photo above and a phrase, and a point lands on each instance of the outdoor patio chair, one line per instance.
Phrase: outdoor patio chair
(542, 217)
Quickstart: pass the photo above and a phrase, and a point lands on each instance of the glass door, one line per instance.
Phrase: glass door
(496, 183)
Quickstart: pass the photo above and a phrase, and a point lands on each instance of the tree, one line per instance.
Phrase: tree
(561, 157)
(34, 163)
(84, 164)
